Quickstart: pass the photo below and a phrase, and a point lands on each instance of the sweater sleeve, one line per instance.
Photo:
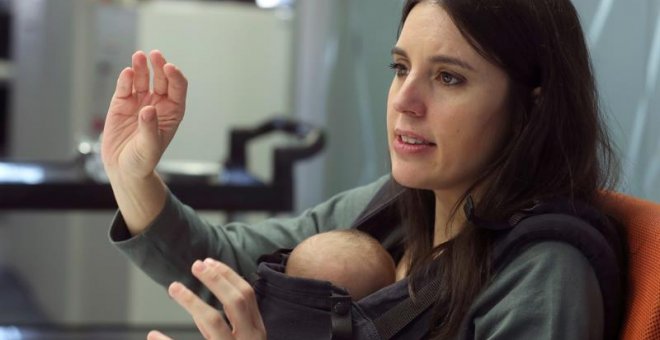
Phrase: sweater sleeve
(178, 236)
(550, 291)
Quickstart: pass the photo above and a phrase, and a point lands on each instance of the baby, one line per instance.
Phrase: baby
(350, 259)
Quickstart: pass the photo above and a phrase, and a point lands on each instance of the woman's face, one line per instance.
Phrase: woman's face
(446, 110)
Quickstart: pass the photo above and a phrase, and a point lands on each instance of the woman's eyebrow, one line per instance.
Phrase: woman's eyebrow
(444, 59)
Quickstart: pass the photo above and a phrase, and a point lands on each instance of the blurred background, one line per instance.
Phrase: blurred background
(320, 61)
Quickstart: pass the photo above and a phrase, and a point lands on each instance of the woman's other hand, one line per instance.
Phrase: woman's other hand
(142, 119)
(236, 296)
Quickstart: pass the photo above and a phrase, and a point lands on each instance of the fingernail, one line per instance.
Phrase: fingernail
(209, 261)
(199, 266)
(175, 287)
(148, 115)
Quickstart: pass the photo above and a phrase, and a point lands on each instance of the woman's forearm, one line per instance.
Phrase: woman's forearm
(139, 200)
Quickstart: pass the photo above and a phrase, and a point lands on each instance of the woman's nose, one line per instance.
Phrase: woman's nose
(409, 97)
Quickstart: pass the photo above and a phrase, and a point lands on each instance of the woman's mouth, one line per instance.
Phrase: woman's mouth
(413, 140)
(411, 143)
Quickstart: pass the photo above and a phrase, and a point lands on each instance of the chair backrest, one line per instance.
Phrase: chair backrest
(641, 222)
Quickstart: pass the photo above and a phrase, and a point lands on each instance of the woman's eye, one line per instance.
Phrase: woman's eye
(449, 79)
(399, 69)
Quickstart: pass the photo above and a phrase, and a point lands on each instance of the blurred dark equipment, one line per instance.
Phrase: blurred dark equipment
(68, 186)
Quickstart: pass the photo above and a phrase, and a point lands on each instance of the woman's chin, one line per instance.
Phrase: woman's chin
(411, 179)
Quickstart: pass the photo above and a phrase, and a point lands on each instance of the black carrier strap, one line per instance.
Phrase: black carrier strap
(380, 208)
(381, 220)
(591, 240)
(397, 318)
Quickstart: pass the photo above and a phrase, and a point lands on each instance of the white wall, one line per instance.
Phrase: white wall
(237, 61)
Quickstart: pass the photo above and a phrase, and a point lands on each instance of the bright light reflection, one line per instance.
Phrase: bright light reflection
(10, 333)
(14, 173)
(273, 3)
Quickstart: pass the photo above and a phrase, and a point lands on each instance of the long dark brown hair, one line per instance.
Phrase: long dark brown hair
(558, 145)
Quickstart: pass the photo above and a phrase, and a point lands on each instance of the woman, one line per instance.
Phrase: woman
(491, 101)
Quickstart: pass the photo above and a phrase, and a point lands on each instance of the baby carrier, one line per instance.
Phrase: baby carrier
(296, 308)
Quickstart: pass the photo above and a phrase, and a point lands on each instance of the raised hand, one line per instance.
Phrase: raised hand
(141, 121)
(140, 124)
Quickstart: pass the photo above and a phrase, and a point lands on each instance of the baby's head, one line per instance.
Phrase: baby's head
(348, 258)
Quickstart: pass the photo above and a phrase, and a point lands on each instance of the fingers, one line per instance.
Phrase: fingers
(141, 70)
(209, 320)
(156, 335)
(177, 84)
(235, 294)
(124, 87)
(160, 80)
(168, 79)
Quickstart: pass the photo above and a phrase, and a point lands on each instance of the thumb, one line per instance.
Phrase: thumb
(148, 137)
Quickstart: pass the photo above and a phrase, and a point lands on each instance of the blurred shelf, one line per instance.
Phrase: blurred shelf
(43, 185)
(64, 186)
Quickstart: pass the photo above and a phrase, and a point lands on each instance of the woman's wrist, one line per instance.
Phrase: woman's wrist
(140, 199)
